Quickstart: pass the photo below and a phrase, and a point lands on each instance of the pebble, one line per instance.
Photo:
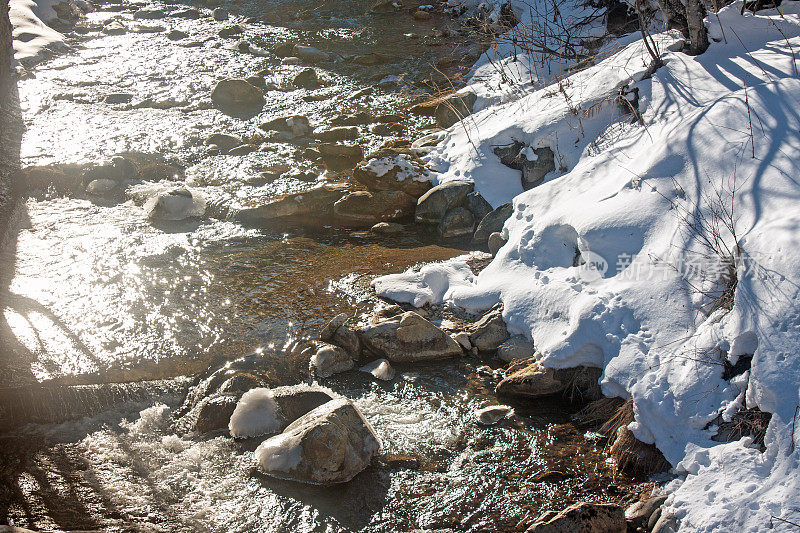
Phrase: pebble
(489, 416)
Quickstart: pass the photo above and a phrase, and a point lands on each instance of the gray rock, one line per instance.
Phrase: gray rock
(478, 205)
(101, 187)
(149, 14)
(177, 35)
(229, 32)
(224, 141)
(667, 523)
(341, 152)
(330, 359)
(490, 332)
(220, 14)
(515, 348)
(214, 412)
(294, 126)
(242, 150)
(310, 54)
(434, 204)
(175, 204)
(457, 223)
(380, 369)
(407, 338)
(312, 207)
(118, 98)
(489, 416)
(331, 444)
(330, 328)
(306, 79)
(638, 515)
(114, 27)
(580, 517)
(493, 222)
(393, 171)
(388, 228)
(341, 133)
(235, 96)
(496, 241)
(364, 208)
(534, 163)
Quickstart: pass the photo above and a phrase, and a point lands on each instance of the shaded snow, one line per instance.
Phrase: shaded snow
(30, 31)
(257, 413)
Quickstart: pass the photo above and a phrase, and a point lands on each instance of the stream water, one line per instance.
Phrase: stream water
(94, 293)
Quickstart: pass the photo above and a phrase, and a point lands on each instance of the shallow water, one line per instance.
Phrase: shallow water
(96, 293)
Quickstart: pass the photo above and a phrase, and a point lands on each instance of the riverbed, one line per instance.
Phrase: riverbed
(95, 293)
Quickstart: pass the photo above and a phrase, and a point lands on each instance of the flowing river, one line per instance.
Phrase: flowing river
(93, 292)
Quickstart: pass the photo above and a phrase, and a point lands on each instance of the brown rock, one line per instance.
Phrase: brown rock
(408, 338)
(583, 517)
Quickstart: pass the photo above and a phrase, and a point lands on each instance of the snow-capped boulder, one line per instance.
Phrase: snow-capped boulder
(331, 444)
(329, 360)
(235, 96)
(408, 338)
(435, 203)
(394, 171)
(266, 411)
(537, 381)
(582, 516)
(534, 163)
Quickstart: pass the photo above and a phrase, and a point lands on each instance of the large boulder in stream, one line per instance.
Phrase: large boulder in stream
(434, 204)
(408, 338)
(265, 411)
(235, 96)
(331, 444)
(364, 208)
(394, 171)
(313, 207)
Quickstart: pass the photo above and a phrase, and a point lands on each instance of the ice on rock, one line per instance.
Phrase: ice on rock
(380, 369)
(256, 414)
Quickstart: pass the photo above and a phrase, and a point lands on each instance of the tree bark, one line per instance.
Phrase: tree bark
(698, 35)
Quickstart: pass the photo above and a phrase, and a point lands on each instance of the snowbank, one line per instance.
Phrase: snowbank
(31, 34)
(643, 210)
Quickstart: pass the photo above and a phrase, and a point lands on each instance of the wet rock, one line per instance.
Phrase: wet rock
(118, 98)
(364, 208)
(385, 130)
(549, 476)
(175, 204)
(331, 444)
(493, 222)
(373, 58)
(214, 413)
(243, 150)
(434, 204)
(421, 15)
(264, 411)
(489, 416)
(220, 14)
(309, 54)
(294, 126)
(114, 27)
(329, 360)
(634, 457)
(490, 332)
(361, 93)
(228, 32)
(447, 110)
(638, 515)
(334, 324)
(408, 338)
(284, 49)
(380, 369)
(223, 141)
(496, 241)
(342, 152)
(478, 205)
(354, 119)
(341, 133)
(240, 383)
(306, 79)
(235, 96)
(583, 516)
(311, 207)
(457, 223)
(156, 171)
(177, 35)
(189, 13)
(535, 381)
(534, 163)
(387, 312)
(149, 14)
(101, 187)
(394, 171)
(516, 348)
(462, 338)
(388, 228)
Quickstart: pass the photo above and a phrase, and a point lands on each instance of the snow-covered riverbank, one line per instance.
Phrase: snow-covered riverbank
(684, 227)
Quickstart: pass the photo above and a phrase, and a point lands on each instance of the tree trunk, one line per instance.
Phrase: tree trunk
(698, 36)
(6, 52)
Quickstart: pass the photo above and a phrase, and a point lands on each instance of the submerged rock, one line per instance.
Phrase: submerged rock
(331, 444)
(237, 97)
(583, 516)
(489, 416)
(408, 338)
(264, 411)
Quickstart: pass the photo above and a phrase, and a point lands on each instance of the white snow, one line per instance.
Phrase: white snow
(280, 453)
(30, 32)
(405, 168)
(720, 129)
(256, 414)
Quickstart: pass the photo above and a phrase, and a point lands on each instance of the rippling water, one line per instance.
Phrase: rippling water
(95, 293)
